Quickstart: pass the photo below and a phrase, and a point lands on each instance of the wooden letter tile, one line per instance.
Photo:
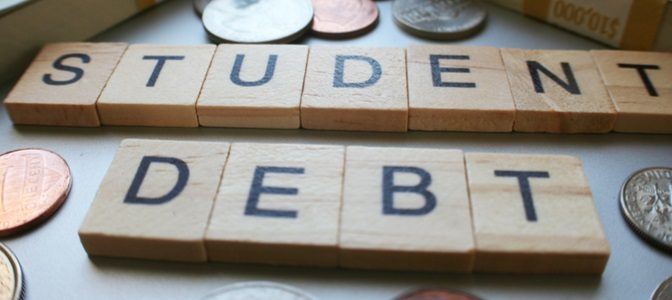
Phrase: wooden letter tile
(558, 91)
(534, 214)
(405, 209)
(349, 88)
(640, 84)
(456, 88)
(156, 85)
(255, 86)
(155, 201)
(278, 204)
(63, 83)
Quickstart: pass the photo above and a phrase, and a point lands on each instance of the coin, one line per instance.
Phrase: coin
(11, 276)
(647, 206)
(258, 290)
(33, 185)
(199, 6)
(439, 19)
(257, 21)
(345, 18)
(436, 294)
(664, 290)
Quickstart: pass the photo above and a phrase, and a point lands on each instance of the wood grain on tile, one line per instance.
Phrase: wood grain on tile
(62, 85)
(349, 88)
(156, 85)
(640, 84)
(278, 204)
(458, 88)
(558, 91)
(405, 209)
(256, 86)
(534, 214)
(155, 200)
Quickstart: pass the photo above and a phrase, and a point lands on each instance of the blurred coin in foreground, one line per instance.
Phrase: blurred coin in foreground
(439, 19)
(11, 276)
(345, 18)
(664, 291)
(646, 203)
(257, 21)
(436, 294)
(199, 6)
(33, 185)
(257, 290)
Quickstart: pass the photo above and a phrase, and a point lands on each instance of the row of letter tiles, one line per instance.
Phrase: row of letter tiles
(353, 207)
(430, 87)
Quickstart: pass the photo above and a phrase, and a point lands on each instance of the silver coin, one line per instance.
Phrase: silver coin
(664, 290)
(257, 290)
(11, 276)
(439, 19)
(199, 6)
(257, 21)
(646, 202)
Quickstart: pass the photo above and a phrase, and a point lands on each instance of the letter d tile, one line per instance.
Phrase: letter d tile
(155, 201)
(405, 209)
(355, 89)
(278, 204)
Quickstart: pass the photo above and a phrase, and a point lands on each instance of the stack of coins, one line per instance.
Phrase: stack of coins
(283, 21)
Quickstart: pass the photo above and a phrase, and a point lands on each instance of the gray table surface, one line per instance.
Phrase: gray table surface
(56, 266)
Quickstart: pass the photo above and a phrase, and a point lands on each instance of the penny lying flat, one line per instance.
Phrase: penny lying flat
(259, 21)
(442, 19)
(343, 19)
(11, 276)
(646, 203)
(33, 185)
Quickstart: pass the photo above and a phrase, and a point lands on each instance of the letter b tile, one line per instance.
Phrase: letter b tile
(406, 209)
(534, 214)
(278, 204)
(155, 201)
(352, 88)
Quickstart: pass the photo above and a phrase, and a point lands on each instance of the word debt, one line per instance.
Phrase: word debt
(352, 207)
(434, 88)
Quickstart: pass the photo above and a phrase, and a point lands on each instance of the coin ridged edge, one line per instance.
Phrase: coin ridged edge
(631, 223)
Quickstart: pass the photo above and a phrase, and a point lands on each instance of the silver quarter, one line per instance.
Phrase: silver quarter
(258, 290)
(11, 276)
(257, 21)
(439, 19)
(664, 290)
(199, 6)
(646, 202)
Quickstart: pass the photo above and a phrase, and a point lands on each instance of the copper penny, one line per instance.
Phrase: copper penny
(343, 18)
(33, 185)
(436, 294)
